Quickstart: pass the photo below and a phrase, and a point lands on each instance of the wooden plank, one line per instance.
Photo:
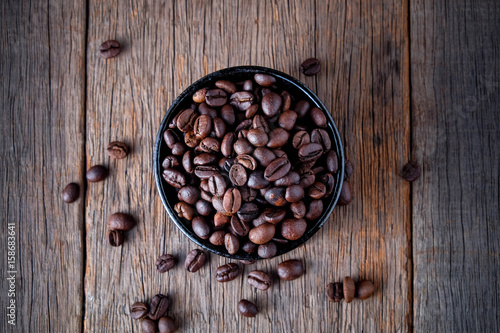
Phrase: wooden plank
(365, 82)
(455, 73)
(42, 148)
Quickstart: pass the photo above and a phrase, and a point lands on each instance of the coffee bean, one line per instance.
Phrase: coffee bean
(267, 250)
(259, 280)
(329, 182)
(247, 308)
(314, 210)
(249, 247)
(242, 147)
(345, 197)
(170, 162)
(174, 178)
(287, 120)
(248, 194)
(291, 178)
(231, 243)
(204, 208)
(220, 220)
(227, 114)
(216, 97)
(117, 150)
(247, 161)
(317, 190)
(348, 169)
(115, 237)
(318, 117)
(227, 272)
(173, 123)
(262, 234)
(278, 137)
(411, 171)
(248, 212)
(158, 307)
(195, 260)
(167, 325)
(242, 100)
(310, 152)
(334, 292)
(96, 173)
(247, 85)
(271, 104)
(294, 193)
(164, 263)
(217, 238)
(276, 196)
(310, 66)
(298, 209)
(293, 229)
(191, 140)
(186, 120)
(238, 174)
(149, 326)
(290, 269)
(199, 96)
(332, 163)
(139, 310)
(349, 289)
(227, 86)
(257, 137)
(307, 178)
(251, 111)
(184, 210)
(277, 169)
(321, 136)
(264, 156)
(227, 144)
(210, 145)
(238, 227)
(259, 122)
(218, 204)
(364, 289)
(110, 49)
(264, 80)
(300, 138)
(274, 215)
(187, 161)
(205, 171)
(121, 221)
(302, 108)
(178, 149)
(71, 193)
(200, 227)
(202, 126)
(188, 194)
(232, 200)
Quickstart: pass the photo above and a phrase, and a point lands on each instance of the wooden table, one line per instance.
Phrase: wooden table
(408, 79)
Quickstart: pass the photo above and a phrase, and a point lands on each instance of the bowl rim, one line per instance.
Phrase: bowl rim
(210, 78)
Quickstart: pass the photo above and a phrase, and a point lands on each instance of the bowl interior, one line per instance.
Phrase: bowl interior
(299, 91)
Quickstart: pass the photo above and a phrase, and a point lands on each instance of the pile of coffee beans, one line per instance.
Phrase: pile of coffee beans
(348, 290)
(251, 166)
(153, 316)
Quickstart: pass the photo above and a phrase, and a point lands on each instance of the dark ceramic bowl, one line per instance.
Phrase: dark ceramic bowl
(299, 91)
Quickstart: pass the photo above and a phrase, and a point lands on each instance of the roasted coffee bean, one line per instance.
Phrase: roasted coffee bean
(204, 109)
(227, 86)
(279, 153)
(264, 80)
(298, 209)
(202, 126)
(217, 202)
(248, 194)
(149, 326)
(310, 66)
(219, 127)
(294, 193)
(247, 308)
(217, 238)
(216, 97)
(186, 120)
(249, 247)
(121, 221)
(96, 173)
(257, 137)
(241, 100)
(238, 174)
(278, 137)
(287, 120)
(256, 180)
(184, 210)
(349, 289)
(314, 210)
(204, 208)
(251, 111)
(259, 280)
(334, 292)
(277, 169)
(170, 162)
(242, 146)
(321, 136)
(187, 161)
(199, 96)
(300, 138)
(364, 289)
(276, 196)
(264, 156)
(411, 171)
(210, 145)
(345, 197)
(232, 200)
(302, 107)
(205, 171)
(262, 234)
(227, 272)
(271, 104)
(117, 150)
(267, 250)
(349, 169)
(191, 140)
(115, 237)
(173, 123)
(227, 144)
(194, 260)
(178, 149)
(318, 117)
(139, 310)
(248, 85)
(71, 192)
(310, 152)
(204, 159)
(158, 307)
(332, 162)
(221, 220)
(291, 178)
(317, 190)
(248, 212)
(188, 194)
(167, 325)
(227, 114)
(307, 179)
(164, 263)
(238, 227)
(201, 227)
(293, 229)
(259, 122)
(232, 243)
(290, 269)
(274, 215)
(329, 182)
(217, 184)
(110, 49)
(247, 161)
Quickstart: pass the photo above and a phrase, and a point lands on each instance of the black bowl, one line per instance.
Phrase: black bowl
(299, 91)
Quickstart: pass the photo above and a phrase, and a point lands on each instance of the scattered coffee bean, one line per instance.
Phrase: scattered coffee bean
(115, 237)
(247, 308)
(364, 289)
(149, 326)
(335, 292)
(259, 280)
(348, 169)
(117, 150)
(121, 221)
(158, 306)
(227, 272)
(96, 173)
(167, 325)
(139, 310)
(290, 269)
(345, 197)
(411, 171)
(349, 289)
(164, 263)
(110, 49)
(71, 192)
(310, 66)
(195, 260)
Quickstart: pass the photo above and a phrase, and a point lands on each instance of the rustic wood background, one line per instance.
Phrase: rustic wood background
(408, 79)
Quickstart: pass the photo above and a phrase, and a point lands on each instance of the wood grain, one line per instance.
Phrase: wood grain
(455, 71)
(364, 81)
(42, 51)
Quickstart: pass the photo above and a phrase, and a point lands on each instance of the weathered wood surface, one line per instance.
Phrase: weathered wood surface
(455, 80)
(42, 126)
